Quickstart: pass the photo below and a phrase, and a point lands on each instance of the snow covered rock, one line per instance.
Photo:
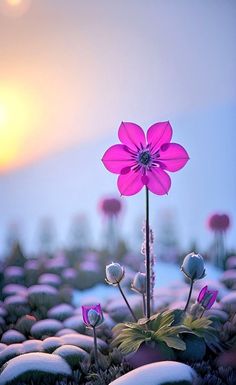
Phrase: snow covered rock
(76, 323)
(13, 289)
(61, 312)
(73, 355)
(228, 302)
(12, 337)
(34, 366)
(159, 373)
(52, 343)
(31, 346)
(43, 295)
(228, 278)
(46, 327)
(49, 279)
(9, 352)
(14, 274)
(62, 332)
(17, 305)
(82, 341)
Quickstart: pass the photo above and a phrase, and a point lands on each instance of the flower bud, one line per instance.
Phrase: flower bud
(92, 315)
(139, 283)
(193, 266)
(207, 297)
(114, 273)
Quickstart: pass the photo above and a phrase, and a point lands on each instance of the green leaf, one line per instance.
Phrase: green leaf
(174, 342)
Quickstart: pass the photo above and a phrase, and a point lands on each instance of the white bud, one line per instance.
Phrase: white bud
(139, 283)
(114, 273)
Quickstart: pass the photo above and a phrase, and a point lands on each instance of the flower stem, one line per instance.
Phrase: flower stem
(95, 348)
(144, 305)
(148, 270)
(189, 295)
(202, 313)
(127, 303)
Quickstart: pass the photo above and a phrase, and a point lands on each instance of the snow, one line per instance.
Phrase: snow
(34, 362)
(13, 288)
(14, 271)
(82, 341)
(44, 289)
(9, 352)
(229, 298)
(62, 332)
(61, 312)
(72, 354)
(50, 279)
(15, 300)
(157, 373)
(12, 336)
(51, 343)
(32, 346)
(76, 323)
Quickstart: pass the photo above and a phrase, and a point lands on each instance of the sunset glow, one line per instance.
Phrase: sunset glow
(17, 115)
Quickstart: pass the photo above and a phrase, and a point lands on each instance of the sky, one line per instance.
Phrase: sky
(71, 71)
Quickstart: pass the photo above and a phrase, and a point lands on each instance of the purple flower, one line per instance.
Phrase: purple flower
(142, 160)
(207, 297)
(92, 315)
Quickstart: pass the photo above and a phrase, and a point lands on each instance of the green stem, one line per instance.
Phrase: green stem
(189, 295)
(148, 270)
(95, 348)
(144, 305)
(202, 313)
(127, 303)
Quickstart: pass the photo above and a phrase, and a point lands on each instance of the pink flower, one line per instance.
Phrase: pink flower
(143, 160)
(218, 222)
(92, 315)
(110, 207)
(207, 297)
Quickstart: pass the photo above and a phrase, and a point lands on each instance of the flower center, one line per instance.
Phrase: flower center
(144, 157)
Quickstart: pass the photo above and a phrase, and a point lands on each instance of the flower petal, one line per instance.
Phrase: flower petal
(158, 134)
(202, 294)
(212, 299)
(173, 156)
(116, 158)
(159, 181)
(130, 184)
(132, 135)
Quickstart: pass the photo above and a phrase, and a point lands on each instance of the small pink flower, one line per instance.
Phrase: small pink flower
(219, 222)
(143, 160)
(110, 207)
(92, 315)
(207, 297)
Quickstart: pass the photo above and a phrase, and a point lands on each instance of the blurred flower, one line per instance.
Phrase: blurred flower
(218, 222)
(92, 315)
(110, 207)
(139, 283)
(141, 160)
(207, 297)
(193, 266)
(114, 273)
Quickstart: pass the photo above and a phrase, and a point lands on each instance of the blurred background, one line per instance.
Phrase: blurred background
(70, 72)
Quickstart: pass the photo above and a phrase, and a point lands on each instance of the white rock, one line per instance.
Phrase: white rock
(33, 363)
(158, 373)
(61, 312)
(47, 327)
(12, 336)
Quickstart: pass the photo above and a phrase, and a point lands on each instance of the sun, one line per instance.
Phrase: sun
(14, 8)
(17, 116)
